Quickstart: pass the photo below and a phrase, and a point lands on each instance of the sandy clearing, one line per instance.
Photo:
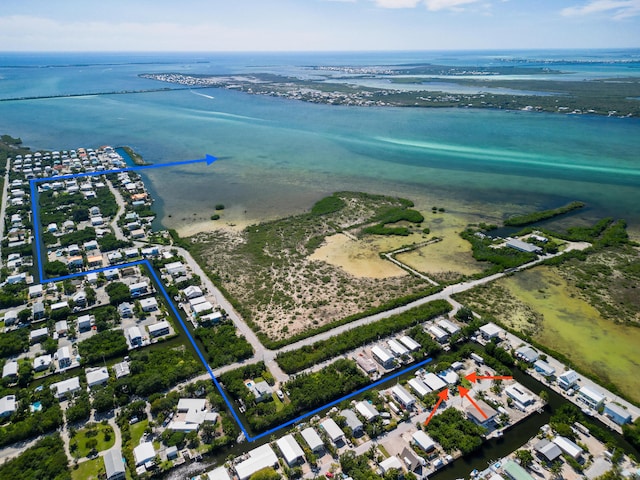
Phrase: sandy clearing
(359, 258)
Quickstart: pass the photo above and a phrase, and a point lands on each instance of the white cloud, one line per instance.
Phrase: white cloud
(618, 8)
(397, 3)
(433, 5)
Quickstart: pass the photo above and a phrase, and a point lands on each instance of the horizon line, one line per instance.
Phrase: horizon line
(407, 50)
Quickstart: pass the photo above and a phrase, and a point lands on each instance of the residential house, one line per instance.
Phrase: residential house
(353, 422)
(69, 386)
(135, 337)
(7, 406)
(568, 379)
(10, 370)
(38, 335)
(331, 428)
(383, 356)
(261, 391)
(367, 410)
(85, 322)
(125, 310)
(617, 413)
(149, 305)
(114, 465)
(591, 397)
(259, 459)
(63, 356)
(290, 449)
(423, 441)
(42, 362)
(10, 318)
(410, 343)
(159, 329)
(401, 395)
(484, 419)
(315, 443)
(97, 376)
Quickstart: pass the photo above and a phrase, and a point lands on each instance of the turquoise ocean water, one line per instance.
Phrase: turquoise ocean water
(278, 156)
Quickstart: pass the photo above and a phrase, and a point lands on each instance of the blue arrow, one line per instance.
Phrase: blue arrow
(209, 159)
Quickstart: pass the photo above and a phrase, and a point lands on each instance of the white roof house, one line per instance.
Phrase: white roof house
(490, 330)
(149, 304)
(186, 404)
(135, 336)
(313, 439)
(434, 382)
(10, 369)
(368, 411)
(423, 441)
(70, 385)
(290, 449)
(35, 291)
(97, 376)
(42, 362)
(448, 326)
(568, 447)
(409, 342)
(544, 368)
(418, 387)
(397, 348)
(84, 322)
(383, 356)
(568, 379)
(591, 396)
(390, 463)
(114, 464)
(7, 405)
(202, 307)
(121, 369)
(159, 329)
(38, 334)
(219, 473)
(518, 393)
(139, 287)
(439, 334)
(259, 458)
(143, 453)
(333, 430)
(176, 268)
(403, 396)
(62, 327)
(192, 291)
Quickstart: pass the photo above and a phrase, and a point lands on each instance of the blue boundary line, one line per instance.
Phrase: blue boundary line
(209, 159)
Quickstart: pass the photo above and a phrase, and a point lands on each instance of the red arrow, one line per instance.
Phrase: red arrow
(465, 393)
(474, 377)
(443, 395)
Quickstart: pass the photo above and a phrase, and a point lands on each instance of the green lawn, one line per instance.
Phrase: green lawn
(81, 442)
(137, 430)
(88, 470)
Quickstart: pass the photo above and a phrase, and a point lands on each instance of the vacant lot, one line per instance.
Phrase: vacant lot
(284, 289)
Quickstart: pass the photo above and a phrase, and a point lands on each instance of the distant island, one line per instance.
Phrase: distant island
(501, 87)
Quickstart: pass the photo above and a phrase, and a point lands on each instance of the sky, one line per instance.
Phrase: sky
(316, 25)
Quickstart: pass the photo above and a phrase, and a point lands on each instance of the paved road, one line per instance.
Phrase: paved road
(268, 356)
(121, 207)
(3, 207)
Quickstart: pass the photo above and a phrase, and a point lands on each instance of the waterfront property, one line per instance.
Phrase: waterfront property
(259, 458)
(616, 413)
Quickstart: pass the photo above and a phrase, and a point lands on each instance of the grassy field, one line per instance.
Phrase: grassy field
(103, 434)
(89, 470)
(448, 259)
(549, 308)
(137, 430)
